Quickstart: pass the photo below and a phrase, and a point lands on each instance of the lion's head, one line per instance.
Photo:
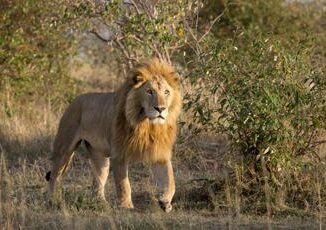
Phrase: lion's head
(154, 94)
(149, 105)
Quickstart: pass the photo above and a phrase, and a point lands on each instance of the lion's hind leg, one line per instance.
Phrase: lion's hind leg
(66, 141)
(100, 166)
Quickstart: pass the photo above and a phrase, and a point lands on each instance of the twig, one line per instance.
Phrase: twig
(167, 55)
(196, 49)
(136, 38)
(154, 47)
(190, 30)
(197, 17)
(126, 53)
(211, 26)
(308, 144)
(317, 156)
(100, 37)
(147, 9)
(316, 143)
(135, 6)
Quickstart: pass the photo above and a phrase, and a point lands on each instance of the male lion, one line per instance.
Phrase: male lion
(138, 123)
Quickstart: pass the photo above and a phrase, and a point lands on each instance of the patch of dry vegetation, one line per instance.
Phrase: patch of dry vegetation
(218, 183)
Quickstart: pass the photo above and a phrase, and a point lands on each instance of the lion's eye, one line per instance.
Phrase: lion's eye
(167, 92)
(150, 92)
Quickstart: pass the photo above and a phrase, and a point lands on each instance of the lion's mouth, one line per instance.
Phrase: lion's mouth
(158, 120)
(151, 117)
(158, 117)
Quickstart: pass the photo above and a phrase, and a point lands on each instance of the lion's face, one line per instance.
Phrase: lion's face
(156, 97)
(152, 94)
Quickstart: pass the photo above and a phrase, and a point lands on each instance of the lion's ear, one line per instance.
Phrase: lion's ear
(137, 80)
(175, 77)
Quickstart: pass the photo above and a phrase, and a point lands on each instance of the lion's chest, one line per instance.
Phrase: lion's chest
(151, 145)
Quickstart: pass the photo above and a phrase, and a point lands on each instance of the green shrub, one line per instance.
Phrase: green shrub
(264, 88)
(271, 103)
(34, 46)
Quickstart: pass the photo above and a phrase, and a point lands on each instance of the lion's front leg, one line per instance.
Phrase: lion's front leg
(163, 175)
(120, 173)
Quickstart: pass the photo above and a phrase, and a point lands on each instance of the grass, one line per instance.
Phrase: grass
(23, 203)
(203, 200)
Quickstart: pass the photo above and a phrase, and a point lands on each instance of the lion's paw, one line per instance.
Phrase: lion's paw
(166, 206)
(127, 205)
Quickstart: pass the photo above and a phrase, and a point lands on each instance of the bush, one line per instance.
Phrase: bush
(35, 46)
(264, 89)
(271, 104)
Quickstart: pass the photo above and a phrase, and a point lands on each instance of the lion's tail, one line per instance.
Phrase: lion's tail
(67, 139)
(48, 176)
(63, 169)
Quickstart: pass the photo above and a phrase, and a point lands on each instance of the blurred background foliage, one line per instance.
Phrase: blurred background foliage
(35, 41)
(254, 71)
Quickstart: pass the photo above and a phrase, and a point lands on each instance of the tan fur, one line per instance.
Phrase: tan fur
(125, 127)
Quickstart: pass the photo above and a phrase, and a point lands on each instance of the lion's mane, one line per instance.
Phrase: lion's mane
(140, 140)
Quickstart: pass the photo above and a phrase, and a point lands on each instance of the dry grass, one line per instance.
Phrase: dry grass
(202, 200)
(206, 196)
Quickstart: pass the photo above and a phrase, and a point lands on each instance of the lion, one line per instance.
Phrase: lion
(137, 123)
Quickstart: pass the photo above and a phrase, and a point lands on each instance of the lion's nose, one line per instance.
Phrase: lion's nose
(159, 108)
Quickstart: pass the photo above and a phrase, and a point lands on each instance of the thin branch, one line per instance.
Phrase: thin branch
(211, 26)
(158, 53)
(196, 48)
(308, 144)
(136, 38)
(317, 156)
(167, 54)
(147, 9)
(135, 6)
(126, 53)
(100, 37)
(316, 143)
(197, 16)
(190, 30)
